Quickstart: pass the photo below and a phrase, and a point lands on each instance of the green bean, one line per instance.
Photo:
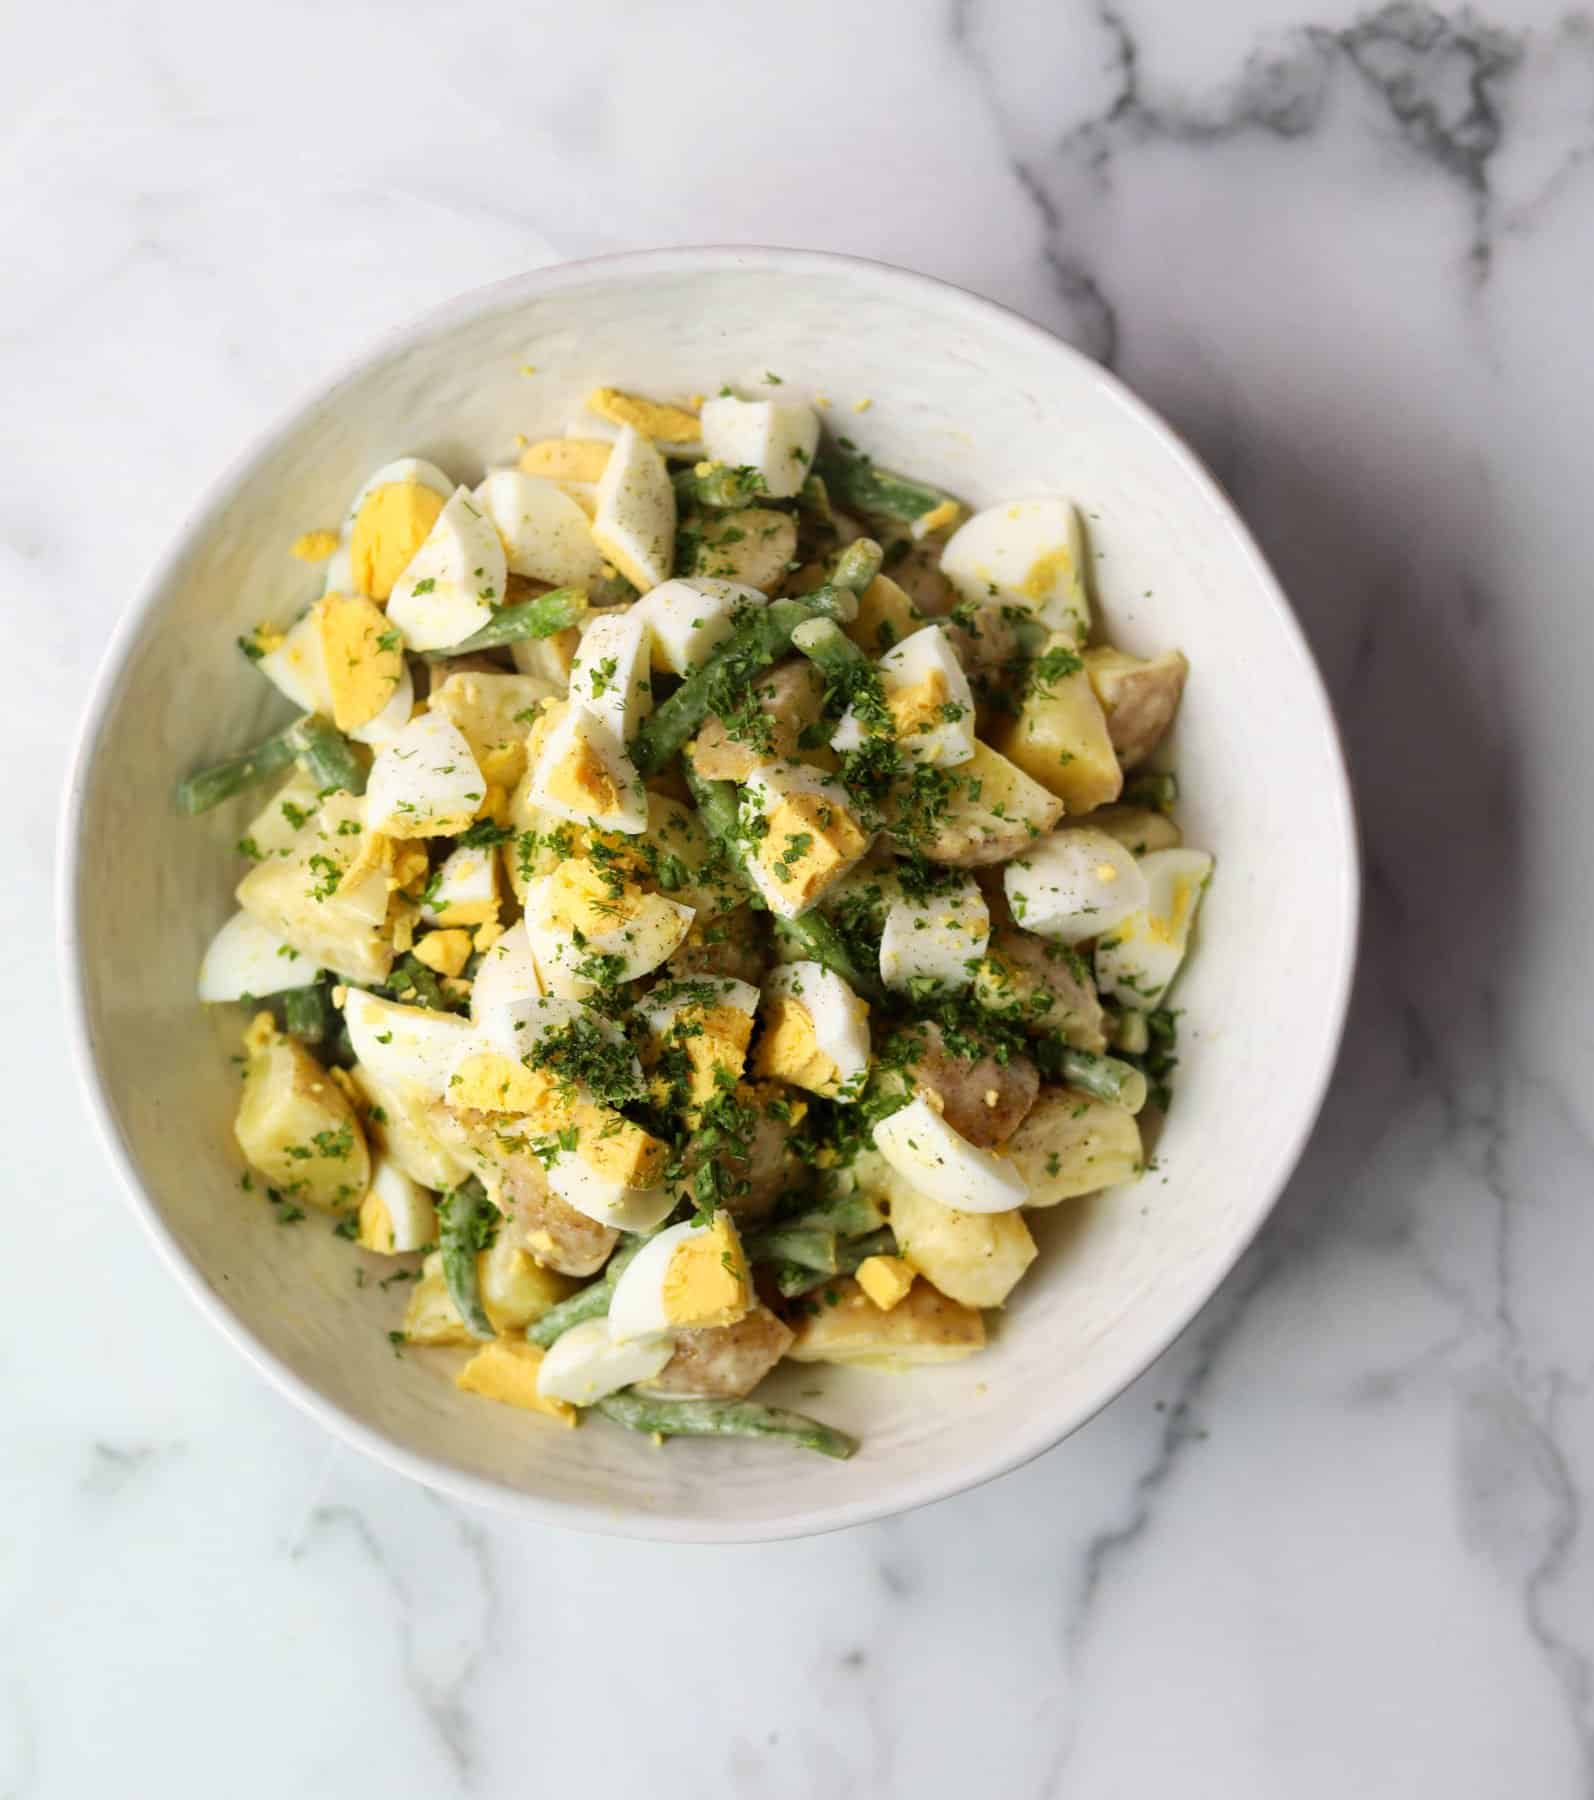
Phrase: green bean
(1130, 1032)
(1157, 789)
(723, 1418)
(760, 637)
(592, 1302)
(795, 1280)
(813, 932)
(1105, 1078)
(463, 1219)
(416, 985)
(718, 486)
(831, 651)
(848, 1214)
(545, 616)
(327, 756)
(307, 1013)
(857, 565)
(859, 485)
(813, 501)
(808, 1246)
(210, 787)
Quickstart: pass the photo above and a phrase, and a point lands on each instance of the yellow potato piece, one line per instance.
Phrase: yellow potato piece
(1060, 736)
(886, 615)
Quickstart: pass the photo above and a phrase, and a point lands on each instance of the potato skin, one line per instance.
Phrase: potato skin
(1072, 1144)
(925, 1327)
(1036, 984)
(976, 1259)
(299, 1128)
(1139, 698)
(790, 696)
(965, 1086)
(724, 1362)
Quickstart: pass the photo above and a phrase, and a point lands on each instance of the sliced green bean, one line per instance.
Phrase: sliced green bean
(327, 756)
(307, 1013)
(1157, 789)
(210, 787)
(463, 1228)
(723, 1418)
(813, 501)
(794, 1280)
(1105, 1078)
(849, 1215)
(761, 636)
(411, 982)
(807, 1246)
(857, 483)
(545, 616)
(592, 1302)
(718, 486)
(1130, 1032)
(857, 565)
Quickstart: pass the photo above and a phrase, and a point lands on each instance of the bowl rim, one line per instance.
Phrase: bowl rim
(596, 1516)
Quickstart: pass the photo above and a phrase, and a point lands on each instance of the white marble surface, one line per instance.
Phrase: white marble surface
(1335, 1544)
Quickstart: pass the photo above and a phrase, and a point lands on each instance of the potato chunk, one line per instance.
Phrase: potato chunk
(752, 546)
(1071, 1145)
(925, 1327)
(982, 1099)
(1042, 986)
(298, 1128)
(974, 1258)
(1139, 698)
(1060, 735)
(790, 697)
(990, 811)
(515, 1290)
(723, 1362)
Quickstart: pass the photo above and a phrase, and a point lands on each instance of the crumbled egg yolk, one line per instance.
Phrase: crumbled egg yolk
(810, 844)
(364, 658)
(506, 1371)
(664, 424)
(315, 546)
(260, 1033)
(885, 1279)
(790, 1051)
(918, 708)
(393, 523)
(445, 951)
(1106, 872)
(566, 459)
(707, 1283)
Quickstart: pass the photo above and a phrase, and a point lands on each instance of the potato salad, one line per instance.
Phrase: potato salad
(713, 891)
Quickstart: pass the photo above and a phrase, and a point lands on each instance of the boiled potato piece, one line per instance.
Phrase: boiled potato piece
(494, 712)
(791, 697)
(1071, 1144)
(400, 1124)
(976, 1259)
(886, 615)
(752, 546)
(1138, 828)
(993, 810)
(515, 1291)
(553, 1231)
(1139, 698)
(298, 1128)
(926, 1327)
(723, 1362)
(736, 944)
(983, 1099)
(1044, 987)
(1060, 734)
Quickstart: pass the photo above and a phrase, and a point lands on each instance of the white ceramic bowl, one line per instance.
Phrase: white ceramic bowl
(964, 394)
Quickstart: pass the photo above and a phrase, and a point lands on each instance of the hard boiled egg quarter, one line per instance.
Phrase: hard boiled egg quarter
(688, 1277)
(581, 773)
(1137, 960)
(937, 939)
(424, 781)
(610, 675)
(414, 470)
(943, 1165)
(691, 618)
(928, 695)
(803, 835)
(585, 1364)
(245, 959)
(1074, 884)
(508, 972)
(1028, 553)
(409, 1047)
(779, 440)
(635, 522)
(816, 1031)
(449, 588)
(578, 914)
(545, 532)
(397, 1214)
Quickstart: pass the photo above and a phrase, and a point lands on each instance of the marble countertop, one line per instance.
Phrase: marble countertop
(1335, 1542)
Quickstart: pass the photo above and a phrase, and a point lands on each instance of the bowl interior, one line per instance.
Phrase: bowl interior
(971, 398)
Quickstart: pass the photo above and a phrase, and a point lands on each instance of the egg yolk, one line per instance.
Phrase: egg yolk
(706, 1283)
(809, 842)
(789, 1049)
(918, 708)
(392, 525)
